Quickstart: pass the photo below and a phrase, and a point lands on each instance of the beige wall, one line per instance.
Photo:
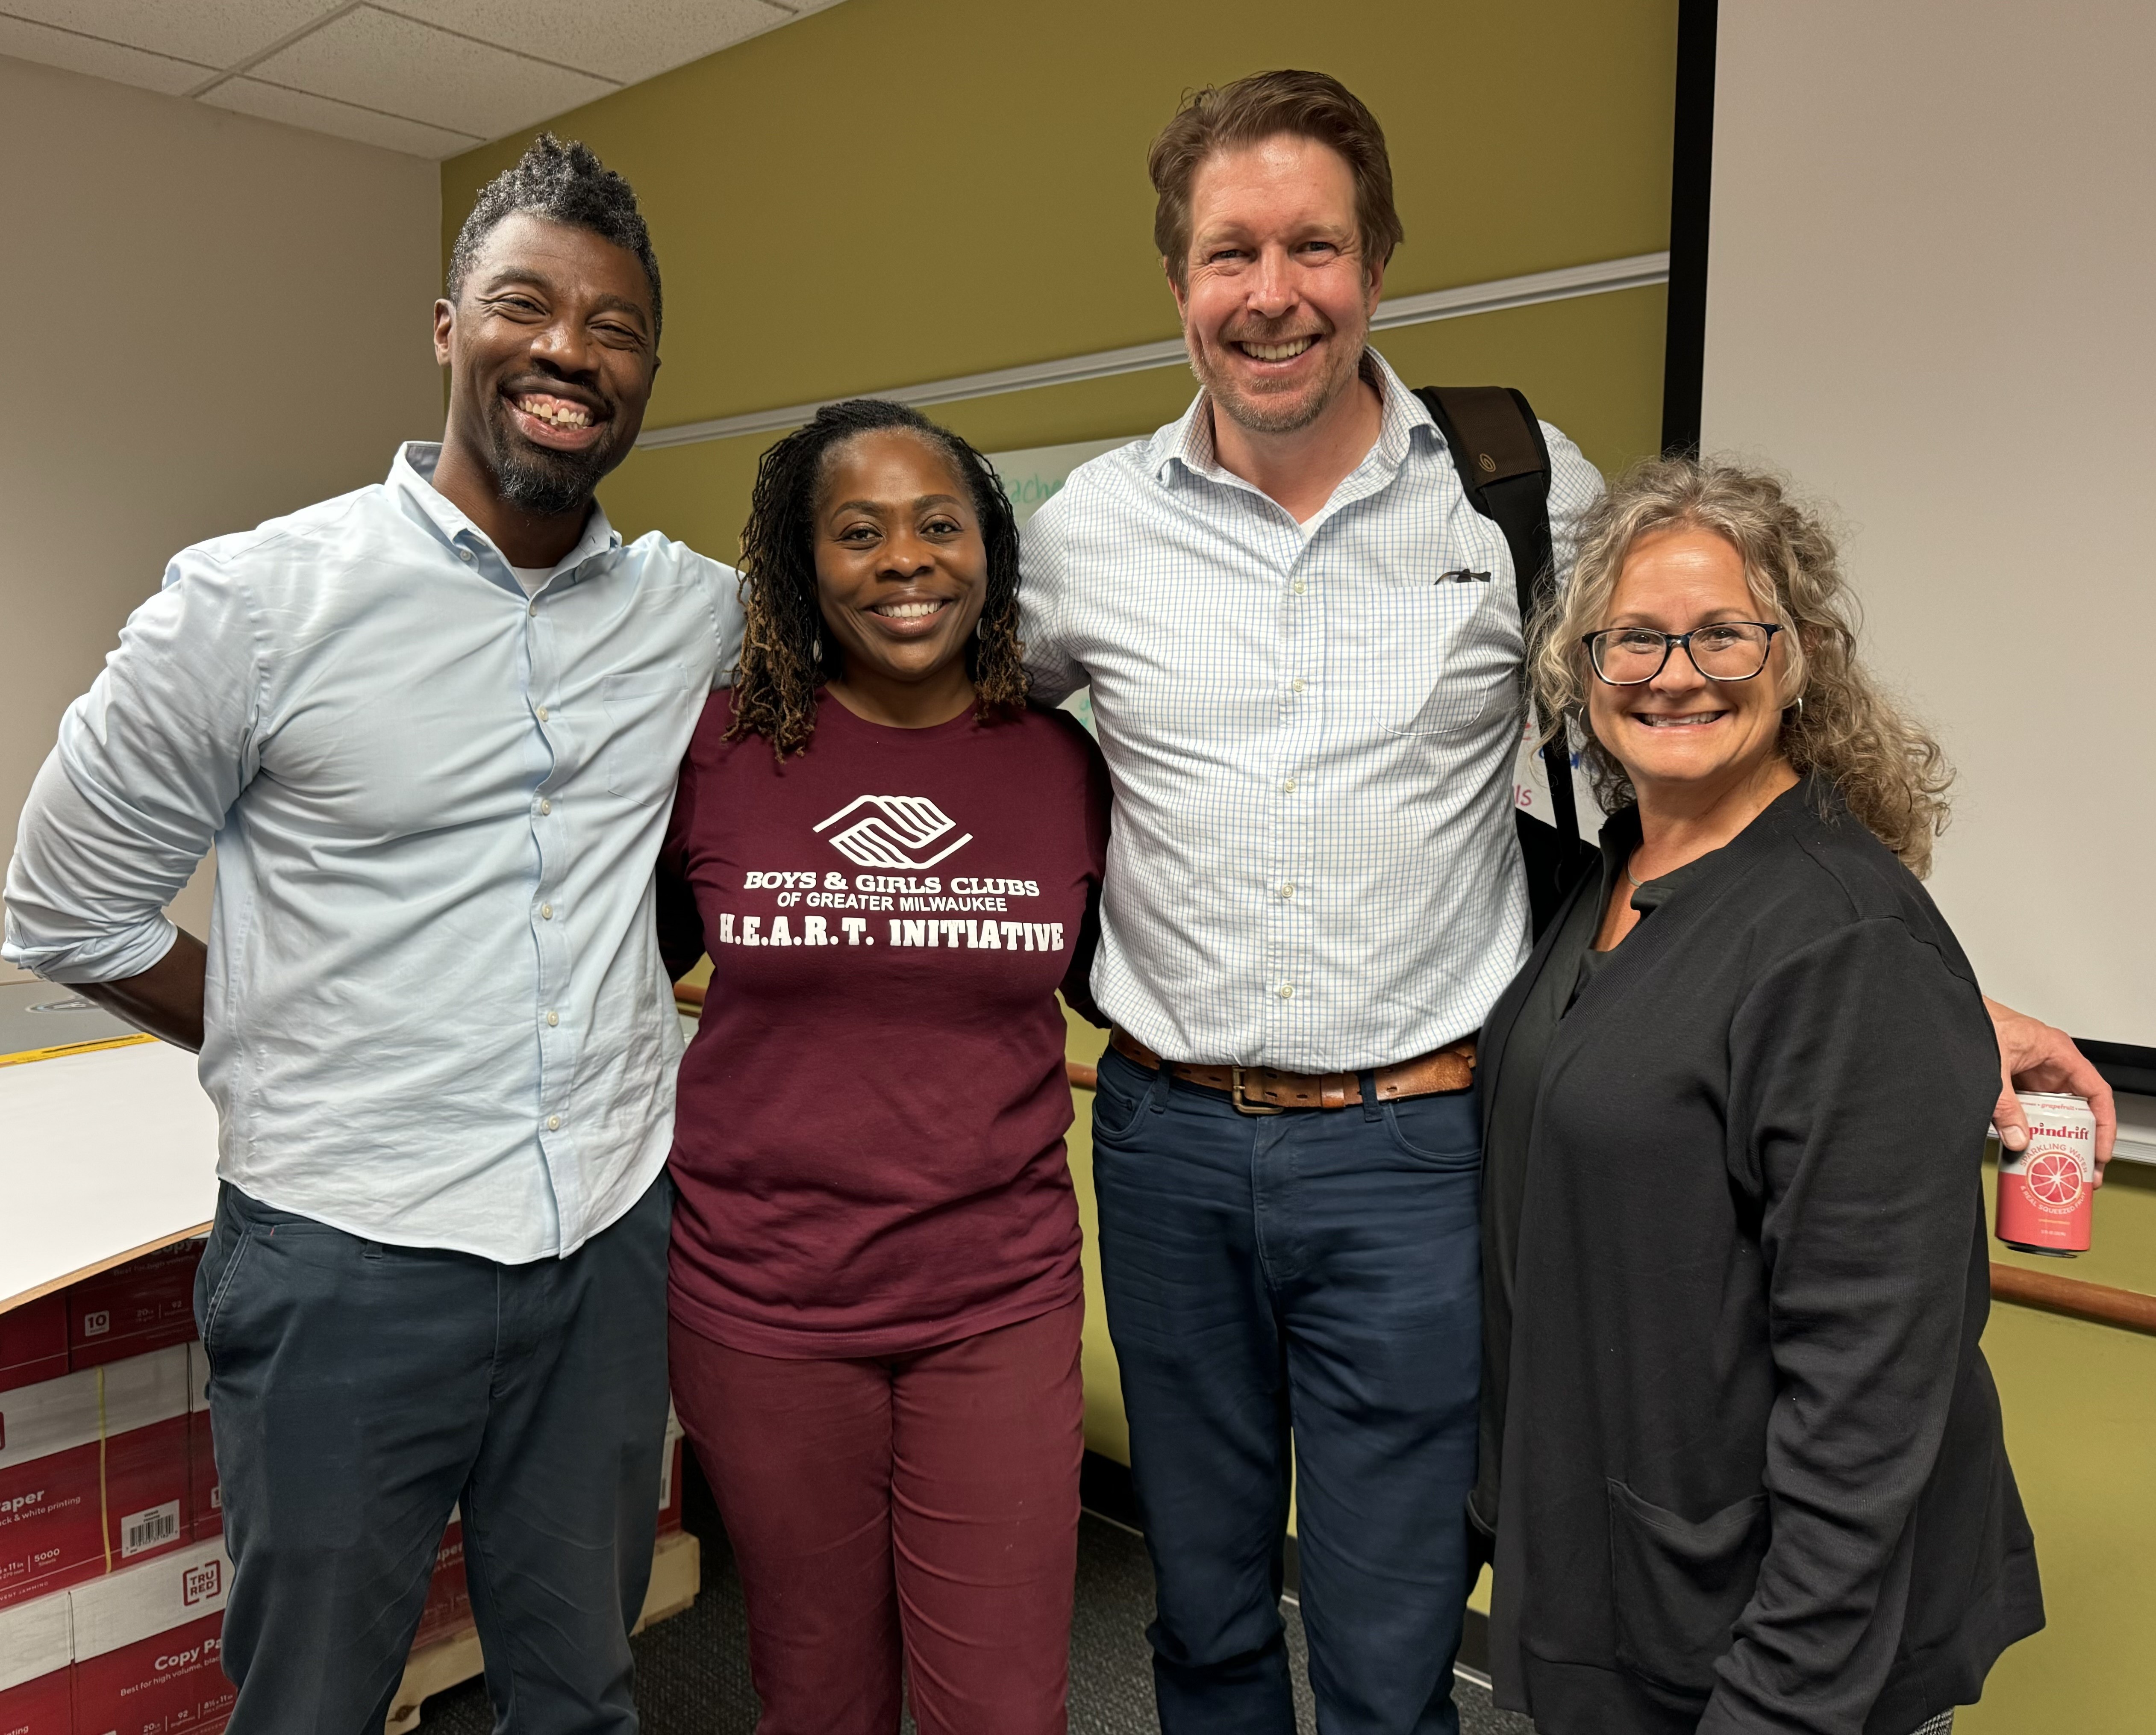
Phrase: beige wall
(212, 320)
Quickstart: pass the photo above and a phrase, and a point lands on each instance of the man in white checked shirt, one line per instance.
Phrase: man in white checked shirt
(1304, 649)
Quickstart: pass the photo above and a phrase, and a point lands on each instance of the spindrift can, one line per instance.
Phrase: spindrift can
(2047, 1188)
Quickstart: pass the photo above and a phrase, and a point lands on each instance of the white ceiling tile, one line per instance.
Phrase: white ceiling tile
(212, 33)
(396, 66)
(318, 114)
(62, 48)
(626, 39)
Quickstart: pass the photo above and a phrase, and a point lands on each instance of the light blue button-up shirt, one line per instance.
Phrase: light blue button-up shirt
(1311, 729)
(436, 1013)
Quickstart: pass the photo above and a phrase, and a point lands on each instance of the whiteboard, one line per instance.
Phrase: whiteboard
(1932, 298)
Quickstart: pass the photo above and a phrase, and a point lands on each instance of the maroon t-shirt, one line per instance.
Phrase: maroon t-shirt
(869, 1139)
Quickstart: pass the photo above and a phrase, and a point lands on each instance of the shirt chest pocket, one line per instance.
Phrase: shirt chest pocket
(1457, 661)
(645, 712)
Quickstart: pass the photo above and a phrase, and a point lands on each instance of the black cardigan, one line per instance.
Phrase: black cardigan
(1753, 1475)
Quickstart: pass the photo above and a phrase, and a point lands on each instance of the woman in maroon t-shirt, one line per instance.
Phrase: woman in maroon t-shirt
(893, 865)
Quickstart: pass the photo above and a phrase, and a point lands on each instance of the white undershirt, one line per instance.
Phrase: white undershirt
(532, 579)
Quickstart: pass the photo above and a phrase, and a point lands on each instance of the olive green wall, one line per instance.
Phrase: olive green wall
(2080, 1401)
(896, 191)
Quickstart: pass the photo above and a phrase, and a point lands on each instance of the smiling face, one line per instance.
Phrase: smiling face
(550, 353)
(1680, 731)
(901, 567)
(1277, 296)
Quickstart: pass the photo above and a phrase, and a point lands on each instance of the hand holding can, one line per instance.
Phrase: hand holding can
(2047, 1189)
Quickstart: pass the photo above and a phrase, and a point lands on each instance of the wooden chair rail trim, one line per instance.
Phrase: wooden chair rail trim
(2125, 1308)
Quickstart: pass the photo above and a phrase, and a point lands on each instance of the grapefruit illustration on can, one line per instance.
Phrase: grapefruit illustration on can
(2046, 1190)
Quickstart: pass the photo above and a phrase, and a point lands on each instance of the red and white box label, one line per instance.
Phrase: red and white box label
(37, 1643)
(93, 1471)
(147, 1652)
(449, 1593)
(146, 1304)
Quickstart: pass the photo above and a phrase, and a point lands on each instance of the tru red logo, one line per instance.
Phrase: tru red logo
(201, 1583)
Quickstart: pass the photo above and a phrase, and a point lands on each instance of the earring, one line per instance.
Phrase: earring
(816, 650)
(981, 629)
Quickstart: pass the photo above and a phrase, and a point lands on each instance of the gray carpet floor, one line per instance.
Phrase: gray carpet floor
(692, 1671)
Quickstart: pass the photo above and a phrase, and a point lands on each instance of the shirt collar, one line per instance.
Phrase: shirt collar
(1189, 441)
(412, 478)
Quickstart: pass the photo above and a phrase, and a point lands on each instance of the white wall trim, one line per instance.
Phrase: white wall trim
(1640, 271)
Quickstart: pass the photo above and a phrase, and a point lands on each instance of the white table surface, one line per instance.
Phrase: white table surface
(101, 1154)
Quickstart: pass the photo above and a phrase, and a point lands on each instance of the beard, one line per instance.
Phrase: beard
(1283, 412)
(547, 483)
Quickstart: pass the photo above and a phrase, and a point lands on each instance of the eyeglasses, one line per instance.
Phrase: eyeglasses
(1727, 650)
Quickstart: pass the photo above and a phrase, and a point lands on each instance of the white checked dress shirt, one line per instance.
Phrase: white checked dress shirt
(436, 1013)
(1310, 730)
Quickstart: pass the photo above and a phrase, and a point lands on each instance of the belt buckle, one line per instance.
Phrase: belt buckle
(1244, 1105)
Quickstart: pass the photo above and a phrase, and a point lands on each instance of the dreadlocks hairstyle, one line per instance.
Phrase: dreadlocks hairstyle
(786, 655)
(563, 182)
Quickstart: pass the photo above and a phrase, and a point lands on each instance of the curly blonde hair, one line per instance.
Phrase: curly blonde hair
(1891, 773)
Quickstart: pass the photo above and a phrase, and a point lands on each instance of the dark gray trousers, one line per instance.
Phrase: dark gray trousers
(359, 1391)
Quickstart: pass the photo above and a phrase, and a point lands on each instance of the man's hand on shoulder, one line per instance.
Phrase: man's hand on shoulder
(2034, 1056)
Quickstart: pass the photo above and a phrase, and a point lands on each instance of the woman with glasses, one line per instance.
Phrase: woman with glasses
(1742, 1459)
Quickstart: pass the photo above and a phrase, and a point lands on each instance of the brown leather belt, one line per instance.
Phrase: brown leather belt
(1265, 1090)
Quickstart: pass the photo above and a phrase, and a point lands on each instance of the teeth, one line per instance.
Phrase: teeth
(907, 611)
(1278, 352)
(556, 412)
(1655, 722)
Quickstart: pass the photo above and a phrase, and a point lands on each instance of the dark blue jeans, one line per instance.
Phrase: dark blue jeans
(359, 1391)
(1296, 1293)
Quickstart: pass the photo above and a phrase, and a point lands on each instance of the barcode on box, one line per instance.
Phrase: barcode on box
(152, 1529)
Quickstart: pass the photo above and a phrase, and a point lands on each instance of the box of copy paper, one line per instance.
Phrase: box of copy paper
(33, 1343)
(448, 1595)
(146, 1304)
(37, 1643)
(148, 1660)
(93, 1471)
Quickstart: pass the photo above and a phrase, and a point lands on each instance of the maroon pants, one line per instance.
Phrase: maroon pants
(921, 1509)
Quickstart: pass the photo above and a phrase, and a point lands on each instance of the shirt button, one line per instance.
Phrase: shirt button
(464, 555)
(545, 912)
(552, 1019)
(546, 807)
(553, 1123)
(1287, 991)
(1297, 685)
(1288, 891)
(542, 713)
(534, 609)
(1298, 586)
(1287, 786)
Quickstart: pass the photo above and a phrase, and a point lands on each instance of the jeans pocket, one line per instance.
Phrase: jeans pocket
(1678, 1585)
(1119, 1096)
(1443, 1131)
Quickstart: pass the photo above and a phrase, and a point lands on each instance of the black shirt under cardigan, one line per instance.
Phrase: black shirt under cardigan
(1741, 1452)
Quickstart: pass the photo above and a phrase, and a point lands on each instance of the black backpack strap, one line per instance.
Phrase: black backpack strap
(1496, 445)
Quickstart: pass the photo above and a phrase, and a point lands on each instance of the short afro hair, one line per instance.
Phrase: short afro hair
(563, 180)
